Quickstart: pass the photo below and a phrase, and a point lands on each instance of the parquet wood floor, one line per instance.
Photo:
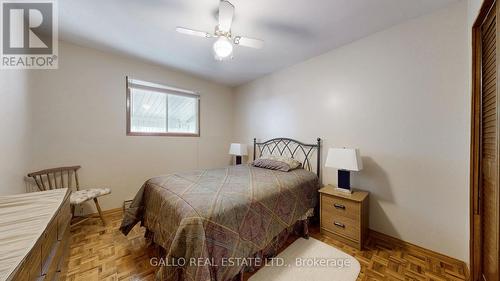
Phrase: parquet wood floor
(103, 253)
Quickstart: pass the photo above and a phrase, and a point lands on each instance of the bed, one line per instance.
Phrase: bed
(215, 224)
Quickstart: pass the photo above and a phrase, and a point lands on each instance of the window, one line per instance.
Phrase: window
(157, 110)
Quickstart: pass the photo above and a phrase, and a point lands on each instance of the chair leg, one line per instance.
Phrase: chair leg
(72, 214)
(99, 211)
(73, 223)
(72, 211)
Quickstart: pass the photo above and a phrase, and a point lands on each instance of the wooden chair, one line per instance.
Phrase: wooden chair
(62, 177)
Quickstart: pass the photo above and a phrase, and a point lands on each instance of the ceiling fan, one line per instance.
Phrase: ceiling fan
(223, 47)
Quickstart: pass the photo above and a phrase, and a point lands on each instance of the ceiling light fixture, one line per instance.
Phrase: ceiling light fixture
(223, 48)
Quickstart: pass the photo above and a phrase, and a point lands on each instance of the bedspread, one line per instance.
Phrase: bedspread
(206, 218)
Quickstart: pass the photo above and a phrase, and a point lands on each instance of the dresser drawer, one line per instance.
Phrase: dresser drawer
(34, 262)
(343, 226)
(48, 243)
(31, 268)
(65, 249)
(63, 219)
(340, 207)
(21, 274)
(58, 233)
(51, 266)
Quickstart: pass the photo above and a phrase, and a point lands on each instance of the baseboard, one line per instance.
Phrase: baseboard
(467, 272)
(112, 211)
(373, 234)
(108, 212)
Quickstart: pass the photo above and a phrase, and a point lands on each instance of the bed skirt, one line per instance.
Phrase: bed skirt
(176, 273)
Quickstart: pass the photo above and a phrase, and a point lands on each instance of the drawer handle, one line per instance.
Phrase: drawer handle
(339, 224)
(339, 206)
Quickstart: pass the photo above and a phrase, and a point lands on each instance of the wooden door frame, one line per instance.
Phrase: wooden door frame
(475, 157)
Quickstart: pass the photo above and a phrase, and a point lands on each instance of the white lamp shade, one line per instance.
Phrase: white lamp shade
(344, 159)
(239, 149)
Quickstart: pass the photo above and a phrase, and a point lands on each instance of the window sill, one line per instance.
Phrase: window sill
(140, 134)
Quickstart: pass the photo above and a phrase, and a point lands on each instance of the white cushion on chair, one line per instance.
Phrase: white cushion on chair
(80, 196)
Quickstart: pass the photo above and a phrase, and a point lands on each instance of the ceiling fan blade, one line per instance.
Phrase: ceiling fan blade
(189, 31)
(248, 42)
(226, 13)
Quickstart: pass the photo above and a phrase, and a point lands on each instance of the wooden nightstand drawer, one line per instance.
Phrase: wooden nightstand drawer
(344, 216)
(346, 227)
(340, 207)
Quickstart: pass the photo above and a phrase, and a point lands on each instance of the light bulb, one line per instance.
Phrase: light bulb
(223, 48)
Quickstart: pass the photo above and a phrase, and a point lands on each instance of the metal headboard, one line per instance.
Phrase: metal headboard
(290, 147)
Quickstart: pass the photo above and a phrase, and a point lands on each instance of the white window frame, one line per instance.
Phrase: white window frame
(141, 84)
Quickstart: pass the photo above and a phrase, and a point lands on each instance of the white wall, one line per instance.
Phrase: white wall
(402, 97)
(14, 130)
(79, 118)
(472, 11)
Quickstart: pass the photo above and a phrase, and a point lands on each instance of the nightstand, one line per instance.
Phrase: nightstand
(344, 216)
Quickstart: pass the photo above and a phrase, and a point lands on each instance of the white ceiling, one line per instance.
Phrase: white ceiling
(293, 30)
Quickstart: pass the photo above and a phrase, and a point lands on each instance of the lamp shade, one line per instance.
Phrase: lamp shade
(344, 159)
(238, 149)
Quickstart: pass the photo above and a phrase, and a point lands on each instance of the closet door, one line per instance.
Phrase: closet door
(489, 149)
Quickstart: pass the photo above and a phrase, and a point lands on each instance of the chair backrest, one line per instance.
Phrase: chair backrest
(54, 178)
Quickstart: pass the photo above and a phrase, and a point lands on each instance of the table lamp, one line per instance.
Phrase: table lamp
(239, 150)
(345, 160)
